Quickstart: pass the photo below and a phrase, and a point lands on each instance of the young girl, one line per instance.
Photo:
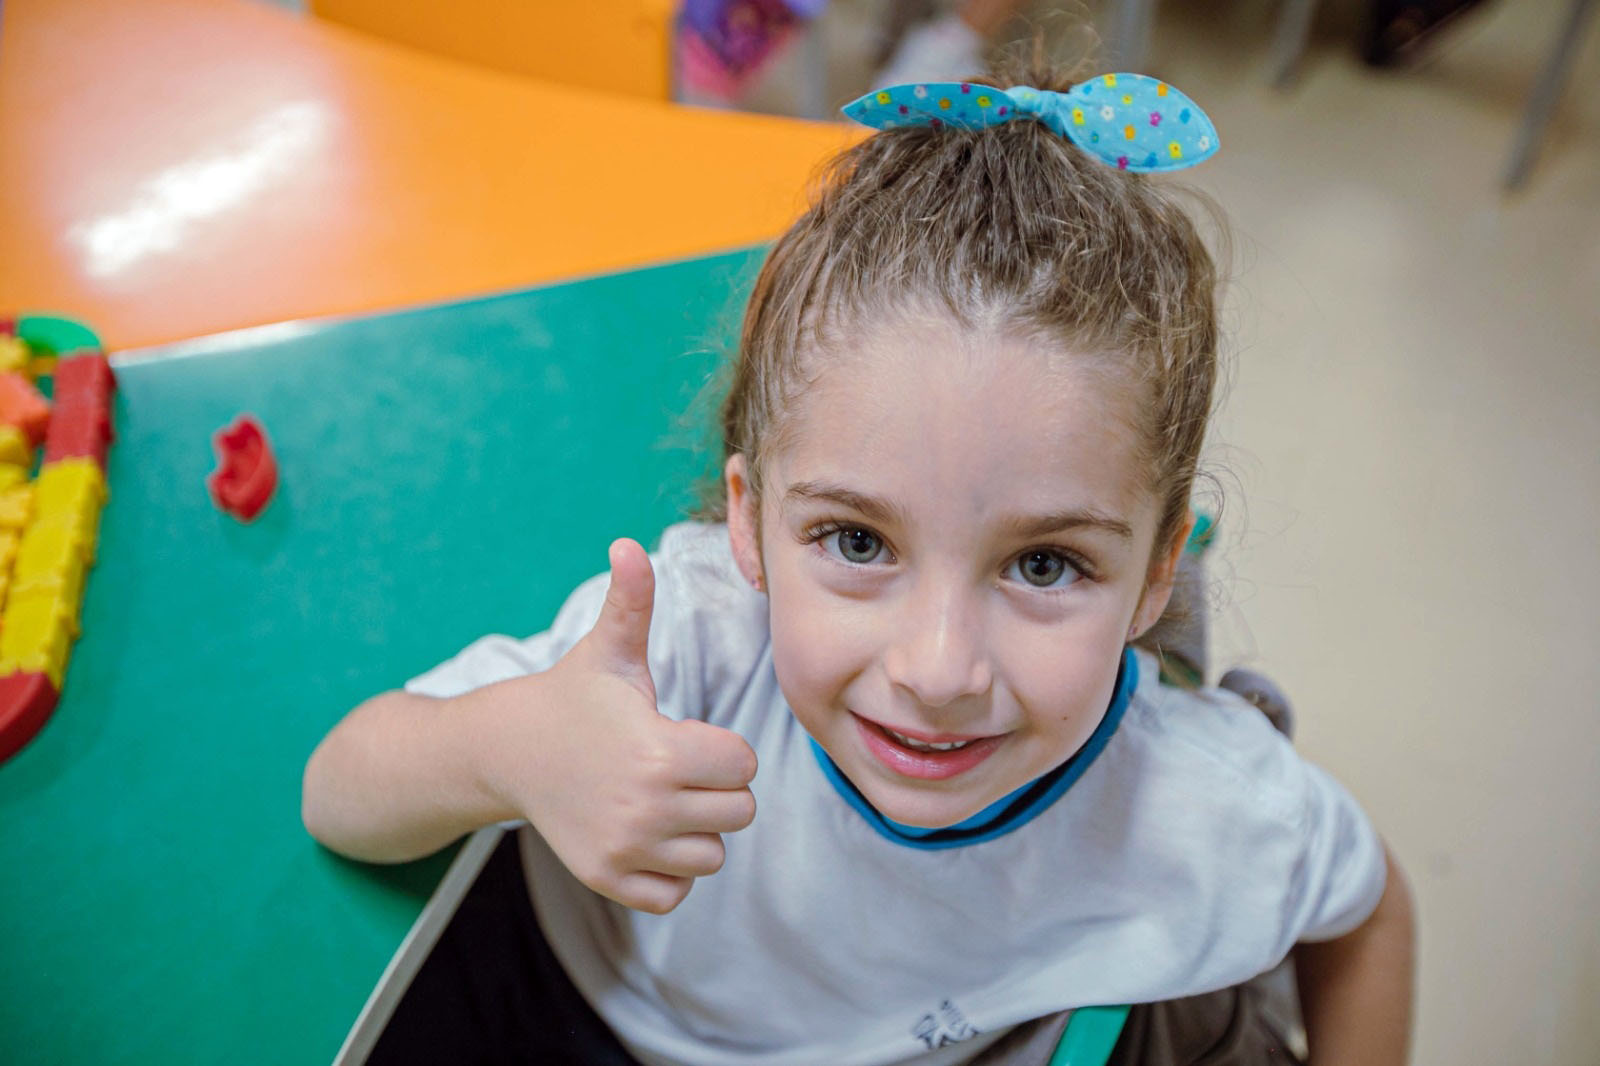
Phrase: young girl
(961, 438)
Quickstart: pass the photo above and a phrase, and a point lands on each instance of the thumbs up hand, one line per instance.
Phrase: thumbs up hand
(632, 802)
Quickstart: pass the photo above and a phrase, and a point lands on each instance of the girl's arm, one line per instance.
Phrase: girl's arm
(632, 802)
(401, 776)
(1355, 991)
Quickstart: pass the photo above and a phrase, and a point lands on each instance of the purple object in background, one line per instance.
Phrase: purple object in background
(724, 42)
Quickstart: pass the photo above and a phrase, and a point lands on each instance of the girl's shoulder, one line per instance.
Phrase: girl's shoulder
(696, 576)
(1209, 739)
(710, 629)
(700, 550)
(703, 613)
(1204, 774)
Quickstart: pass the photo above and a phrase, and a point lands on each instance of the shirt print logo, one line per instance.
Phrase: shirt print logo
(943, 1027)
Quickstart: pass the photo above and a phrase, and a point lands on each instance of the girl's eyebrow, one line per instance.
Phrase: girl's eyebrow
(878, 510)
(1020, 526)
(1028, 526)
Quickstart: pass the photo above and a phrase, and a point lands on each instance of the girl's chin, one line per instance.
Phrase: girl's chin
(922, 811)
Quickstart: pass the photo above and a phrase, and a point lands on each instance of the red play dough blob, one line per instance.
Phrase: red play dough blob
(248, 473)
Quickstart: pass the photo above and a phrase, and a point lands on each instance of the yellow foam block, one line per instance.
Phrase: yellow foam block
(53, 571)
(49, 591)
(11, 475)
(50, 537)
(70, 487)
(36, 636)
(8, 557)
(81, 516)
(14, 354)
(46, 547)
(16, 506)
(14, 447)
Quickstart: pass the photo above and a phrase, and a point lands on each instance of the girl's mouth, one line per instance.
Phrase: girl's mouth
(926, 759)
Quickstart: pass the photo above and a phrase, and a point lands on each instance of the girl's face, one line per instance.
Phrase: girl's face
(956, 539)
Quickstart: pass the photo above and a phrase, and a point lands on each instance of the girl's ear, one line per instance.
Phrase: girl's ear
(744, 523)
(1158, 582)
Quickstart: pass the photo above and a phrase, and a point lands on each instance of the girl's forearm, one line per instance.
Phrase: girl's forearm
(399, 778)
(1356, 991)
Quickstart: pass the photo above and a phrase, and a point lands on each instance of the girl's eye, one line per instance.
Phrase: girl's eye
(1043, 569)
(858, 545)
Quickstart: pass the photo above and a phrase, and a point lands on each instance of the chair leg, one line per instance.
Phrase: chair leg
(813, 90)
(1130, 33)
(1289, 40)
(1545, 94)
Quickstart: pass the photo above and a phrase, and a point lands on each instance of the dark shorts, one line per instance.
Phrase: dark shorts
(492, 993)
(1225, 1028)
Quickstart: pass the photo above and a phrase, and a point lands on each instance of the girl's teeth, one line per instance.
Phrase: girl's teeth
(919, 745)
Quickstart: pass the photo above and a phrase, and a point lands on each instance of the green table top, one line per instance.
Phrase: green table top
(444, 472)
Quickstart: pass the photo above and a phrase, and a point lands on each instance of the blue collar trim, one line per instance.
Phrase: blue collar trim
(1009, 812)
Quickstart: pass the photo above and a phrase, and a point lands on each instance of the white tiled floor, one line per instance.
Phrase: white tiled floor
(1411, 447)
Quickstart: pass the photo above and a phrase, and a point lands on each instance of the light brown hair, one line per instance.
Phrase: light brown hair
(1011, 226)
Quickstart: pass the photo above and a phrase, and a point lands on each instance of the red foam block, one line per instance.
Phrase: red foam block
(86, 375)
(79, 429)
(26, 701)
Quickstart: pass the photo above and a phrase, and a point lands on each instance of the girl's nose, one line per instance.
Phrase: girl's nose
(939, 653)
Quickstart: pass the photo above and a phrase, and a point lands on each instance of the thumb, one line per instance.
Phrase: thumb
(622, 632)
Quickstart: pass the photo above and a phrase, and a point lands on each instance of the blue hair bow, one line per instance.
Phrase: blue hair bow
(1129, 121)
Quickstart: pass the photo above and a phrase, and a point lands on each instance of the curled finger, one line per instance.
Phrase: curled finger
(689, 855)
(713, 810)
(651, 892)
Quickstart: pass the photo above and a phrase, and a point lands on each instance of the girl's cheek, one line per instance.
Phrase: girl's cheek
(1061, 674)
(818, 641)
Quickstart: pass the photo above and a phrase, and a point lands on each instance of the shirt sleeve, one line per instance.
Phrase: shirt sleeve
(498, 658)
(1270, 847)
(1343, 867)
(708, 633)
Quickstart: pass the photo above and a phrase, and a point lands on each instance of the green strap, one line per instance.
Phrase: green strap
(1090, 1035)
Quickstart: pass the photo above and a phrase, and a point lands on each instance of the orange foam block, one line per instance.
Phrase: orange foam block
(23, 406)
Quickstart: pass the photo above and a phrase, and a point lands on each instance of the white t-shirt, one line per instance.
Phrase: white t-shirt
(1193, 852)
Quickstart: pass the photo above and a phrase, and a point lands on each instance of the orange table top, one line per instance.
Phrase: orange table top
(173, 168)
